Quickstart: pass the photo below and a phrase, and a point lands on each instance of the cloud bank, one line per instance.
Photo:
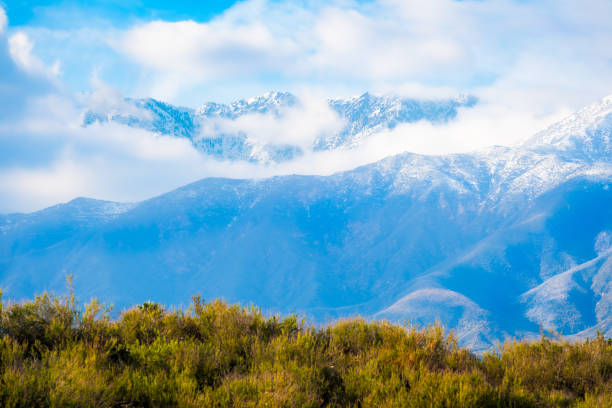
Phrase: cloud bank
(551, 46)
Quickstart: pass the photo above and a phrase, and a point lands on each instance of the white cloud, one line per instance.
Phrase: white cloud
(109, 161)
(20, 50)
(390, 41)
(27, 189)
(383, 43)
(17, 84)
(298, 126)
(105, 100)
(182, 53)
(3, 21)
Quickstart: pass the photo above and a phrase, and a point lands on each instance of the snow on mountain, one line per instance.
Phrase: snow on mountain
(199, 125)
(364, 116)
(271, 102)
(151, 115)
(447, 307)
(561, 300)
(587, 133)
(368, 114)
(578, 145)
(492, 244)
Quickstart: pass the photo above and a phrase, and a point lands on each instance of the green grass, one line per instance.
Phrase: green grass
(218, 355)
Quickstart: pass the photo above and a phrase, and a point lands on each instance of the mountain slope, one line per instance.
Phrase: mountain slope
(493, 243)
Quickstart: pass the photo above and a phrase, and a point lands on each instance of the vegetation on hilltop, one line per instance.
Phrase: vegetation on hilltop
(217, 355)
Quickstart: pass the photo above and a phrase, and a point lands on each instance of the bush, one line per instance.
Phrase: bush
(218, 355)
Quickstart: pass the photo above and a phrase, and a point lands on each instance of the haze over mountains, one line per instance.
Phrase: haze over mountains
(212, 130)
(493, 243)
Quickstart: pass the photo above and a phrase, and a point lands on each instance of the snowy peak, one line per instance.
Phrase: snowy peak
(578, 146)
(368, 114)
(149, 114)
(586, 133)
(270, 102)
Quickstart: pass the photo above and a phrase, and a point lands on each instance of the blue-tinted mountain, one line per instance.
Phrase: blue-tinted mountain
(199, 125)
(362, 116)
(493, 244)
(367, 114)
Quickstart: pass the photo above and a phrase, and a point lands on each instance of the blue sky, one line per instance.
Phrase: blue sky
(50, 13)
(530, 63)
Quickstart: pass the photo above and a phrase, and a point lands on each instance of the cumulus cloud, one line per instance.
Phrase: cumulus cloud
(20, 49)
(384, 43)
(17, 85)
(384, 40)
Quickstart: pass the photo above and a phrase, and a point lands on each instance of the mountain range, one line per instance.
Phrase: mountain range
(361, 117)
(494, 244)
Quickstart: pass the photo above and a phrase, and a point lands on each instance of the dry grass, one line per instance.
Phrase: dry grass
(217, 355)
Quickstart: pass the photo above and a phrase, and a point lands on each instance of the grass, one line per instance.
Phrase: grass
(219, 355)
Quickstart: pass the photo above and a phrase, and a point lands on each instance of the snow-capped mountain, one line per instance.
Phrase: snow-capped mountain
(362, 116)
(148, 114)
(201, 125)
(271, 102)
(367, 114)
(493, 244)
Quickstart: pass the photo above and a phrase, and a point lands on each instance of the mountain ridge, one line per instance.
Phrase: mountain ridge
(206, 126)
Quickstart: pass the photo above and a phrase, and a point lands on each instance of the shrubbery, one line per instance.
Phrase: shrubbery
(217, 355)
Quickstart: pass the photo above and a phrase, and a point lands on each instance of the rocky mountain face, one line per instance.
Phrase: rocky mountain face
(492, 244)
(362, 117)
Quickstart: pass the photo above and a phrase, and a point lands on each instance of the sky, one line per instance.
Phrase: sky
(120, 13)
(530, 63)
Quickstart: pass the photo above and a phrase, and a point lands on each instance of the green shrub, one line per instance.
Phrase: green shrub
(219, 355)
